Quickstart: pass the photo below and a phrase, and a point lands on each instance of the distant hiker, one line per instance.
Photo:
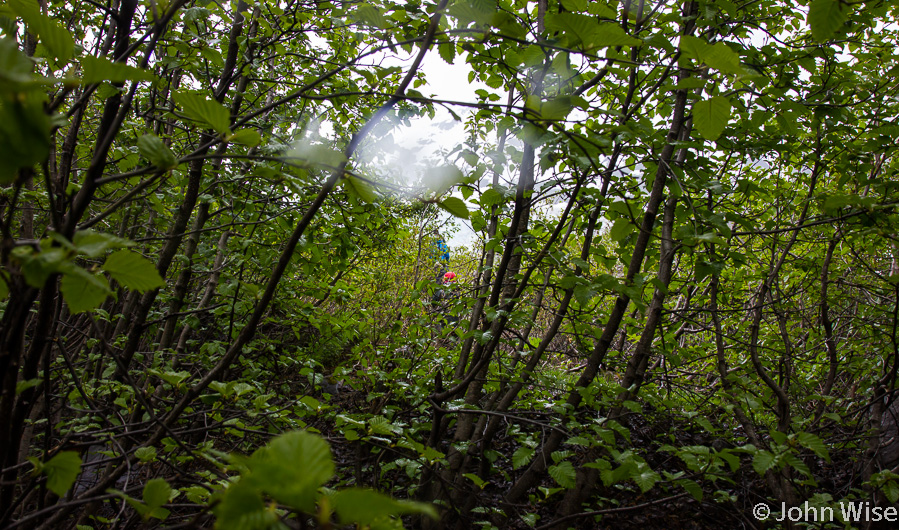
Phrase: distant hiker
(440, 256)
(444, 296)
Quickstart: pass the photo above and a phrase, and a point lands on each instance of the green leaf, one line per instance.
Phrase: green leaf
(366, 507)
(53, 36)
(145, 454)
(556, 108)
(646, 479)
(61, 471)
(447, 51)
(707, 268)
(82, 290)
(694, 489)
(37, 267)
(721, 57)
(891, 490)
(583, 29)
(797, 464)
(133, 271)
(692, 46)
(521, 457)
(361, 188)
(763, 461)
(620, 229)
(718, 56)
(442, 178)
(478, 481)
(825, 17)
(25, 384)
(199, 108)
(316, 155)
(157, 492)
(247, 137)
(455, 206)
(370, 16)
(813, 443)
(607, 34)
(97, 69)
(24, 128)
(94, 244)
(564, 474)
(291, 468)
(491, 197)
(711, 116)
(242, 508)
(155, 150)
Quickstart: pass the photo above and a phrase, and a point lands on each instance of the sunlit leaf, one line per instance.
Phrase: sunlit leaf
(133, 271)
(710, 116)
(825, 17)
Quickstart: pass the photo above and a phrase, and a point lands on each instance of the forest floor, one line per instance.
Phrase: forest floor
(726, 504)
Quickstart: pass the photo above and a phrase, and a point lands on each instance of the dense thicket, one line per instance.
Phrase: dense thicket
(683, 297)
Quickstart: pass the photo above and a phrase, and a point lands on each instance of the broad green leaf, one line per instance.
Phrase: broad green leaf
(61, 471)
(825, 17)
(763, 461)
(25, 384)
(38, 266)
(95, 244)
(157, 492)
(315, 155)
(692, 46)
(620, 229)
(455, 206)
(133, 271)
(608, 34)
(521, 457)
(491, 197)
(891, 490)
(4, 287)
(53, 36)
(813, 443)
(797, 464)
(370, 16)
(247, 137)
(718, 56)
(556, 108)
(97, 69)
(146, 454)
(478, 481)
(564, 474)
(199, 108)
(711, 116)
(646, 479)
(242, 508)
(366, 507)
(577, 27)
(447, 51)
(694, 489)
(291, 468)
(361, 188)
(82, 290)
(721, 57)
(705, 269)
(442, 178)
(24, 130)
(155, 150)
(583, 30)
(15, 66)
